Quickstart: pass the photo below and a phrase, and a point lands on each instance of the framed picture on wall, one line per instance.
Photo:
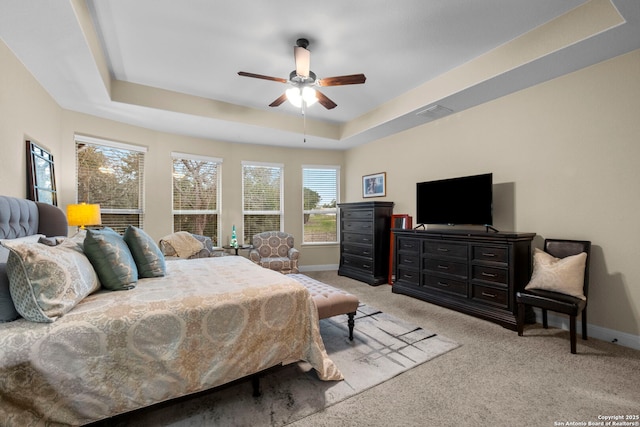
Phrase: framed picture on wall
(374, 185)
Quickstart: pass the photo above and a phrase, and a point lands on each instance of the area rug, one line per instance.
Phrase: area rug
(383, 347)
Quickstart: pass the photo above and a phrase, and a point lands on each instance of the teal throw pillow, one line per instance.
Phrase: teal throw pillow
(146, 253)
(111, 258)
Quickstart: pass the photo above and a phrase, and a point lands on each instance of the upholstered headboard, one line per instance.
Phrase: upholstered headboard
(21, 217)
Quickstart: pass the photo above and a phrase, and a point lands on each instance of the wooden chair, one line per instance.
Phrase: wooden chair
(556, 301)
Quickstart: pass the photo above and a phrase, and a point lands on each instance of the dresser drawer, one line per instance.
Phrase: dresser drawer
(357, 214)
(361, 239)
(408, 275)
(358, 263)
(358, 226)
(363, 251)
(446, 267)
(405, 244)
(490, 253)
(445, 249)
(490, 274)
(409, 260)
(445, 285)
(490, 295)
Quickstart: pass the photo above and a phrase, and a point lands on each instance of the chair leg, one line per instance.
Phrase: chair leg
(520, 319)
(351, 324)
(584, 324)
(572, 333)
(545, 324)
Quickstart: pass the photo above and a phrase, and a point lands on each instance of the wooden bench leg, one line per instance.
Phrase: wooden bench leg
(255, 383)
(351, 324)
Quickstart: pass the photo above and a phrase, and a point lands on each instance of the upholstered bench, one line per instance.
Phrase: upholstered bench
(329, 300)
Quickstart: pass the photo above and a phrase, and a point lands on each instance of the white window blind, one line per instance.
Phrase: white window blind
(320, 191)
(196, 195)
(262, 198)
(111, 174)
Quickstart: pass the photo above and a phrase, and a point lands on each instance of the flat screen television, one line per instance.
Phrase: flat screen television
(465, 200)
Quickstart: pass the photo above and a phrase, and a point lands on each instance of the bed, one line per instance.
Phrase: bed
(206, 322)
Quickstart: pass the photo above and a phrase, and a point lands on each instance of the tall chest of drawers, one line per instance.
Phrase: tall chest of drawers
(365, 229)
(477, 273)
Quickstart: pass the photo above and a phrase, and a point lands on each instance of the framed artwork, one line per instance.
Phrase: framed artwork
(41, 179)
(374, 185)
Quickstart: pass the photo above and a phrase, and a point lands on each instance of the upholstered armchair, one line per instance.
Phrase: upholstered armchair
(274, 250)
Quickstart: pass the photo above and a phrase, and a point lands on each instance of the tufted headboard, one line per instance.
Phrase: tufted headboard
(22, 217)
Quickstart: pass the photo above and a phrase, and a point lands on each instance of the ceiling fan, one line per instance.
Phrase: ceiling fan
(303, 80)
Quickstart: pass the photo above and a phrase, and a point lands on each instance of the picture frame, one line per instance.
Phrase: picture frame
(374, 185)
(41, 178)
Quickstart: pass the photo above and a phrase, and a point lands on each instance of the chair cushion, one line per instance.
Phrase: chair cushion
(563, 275)
(553, 301)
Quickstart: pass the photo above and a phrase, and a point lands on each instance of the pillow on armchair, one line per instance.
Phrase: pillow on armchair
(187, 245)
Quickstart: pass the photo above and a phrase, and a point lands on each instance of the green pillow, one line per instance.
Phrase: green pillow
(147, 255)
(111, 258)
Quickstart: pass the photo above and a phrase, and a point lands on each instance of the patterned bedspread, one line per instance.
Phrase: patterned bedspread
(208, 322)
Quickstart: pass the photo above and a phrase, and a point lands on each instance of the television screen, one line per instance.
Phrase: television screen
(457, 201)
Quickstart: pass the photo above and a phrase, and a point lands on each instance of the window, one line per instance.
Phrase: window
(41, 177)
(112, 175)
(261, 198)
(319, 198)
(196, 195)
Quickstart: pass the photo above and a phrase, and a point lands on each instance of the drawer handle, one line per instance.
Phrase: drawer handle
(443, 250)
(407, 261)
(489, 274)
(366, 240)
(446, 285)
(443, 267)
(366, 266)
(488, 254)
(366, 253)
(405, 246)
(409, 276)
(487, 294)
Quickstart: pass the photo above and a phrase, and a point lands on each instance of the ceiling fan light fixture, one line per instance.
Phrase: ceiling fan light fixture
(296, 95)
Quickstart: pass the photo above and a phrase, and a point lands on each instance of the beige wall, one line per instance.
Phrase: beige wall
(565, 158)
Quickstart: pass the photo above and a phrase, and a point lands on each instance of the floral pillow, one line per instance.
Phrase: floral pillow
(48, 281)
(564, 275)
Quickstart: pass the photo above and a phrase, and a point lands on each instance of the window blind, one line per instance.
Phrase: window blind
(262, 198)
(196, 195)
(111, 174)
(320, 196)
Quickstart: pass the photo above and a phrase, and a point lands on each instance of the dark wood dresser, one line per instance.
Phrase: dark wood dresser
(473, 272)
(365, 229)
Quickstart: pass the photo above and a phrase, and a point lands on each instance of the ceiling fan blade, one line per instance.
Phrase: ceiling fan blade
(279, 100)
(260, 76)
(303, 61)
(352, 79)
(325, 101)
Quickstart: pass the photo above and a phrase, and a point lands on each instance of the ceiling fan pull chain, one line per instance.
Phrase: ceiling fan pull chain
(304, 123)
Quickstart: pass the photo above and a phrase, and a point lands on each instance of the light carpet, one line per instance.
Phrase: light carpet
(383, 347)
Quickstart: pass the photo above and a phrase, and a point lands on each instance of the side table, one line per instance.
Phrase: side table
(236, 249)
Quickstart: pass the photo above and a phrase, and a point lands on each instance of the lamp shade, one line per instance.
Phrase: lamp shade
(83, 214)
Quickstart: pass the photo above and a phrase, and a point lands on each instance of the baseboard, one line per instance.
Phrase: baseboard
(621, 338)
(326, 267)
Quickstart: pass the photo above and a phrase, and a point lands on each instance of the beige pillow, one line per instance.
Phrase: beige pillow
(563, 275)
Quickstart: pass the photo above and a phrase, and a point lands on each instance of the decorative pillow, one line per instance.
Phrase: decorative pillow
(564, 275)
(7, 308)
(147, 255)
(48, 281)
(111, 258)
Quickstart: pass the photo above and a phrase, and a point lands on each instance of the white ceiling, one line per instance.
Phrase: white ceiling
(172, 66)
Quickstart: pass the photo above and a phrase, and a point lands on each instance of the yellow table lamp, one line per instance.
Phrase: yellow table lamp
(83, 214)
